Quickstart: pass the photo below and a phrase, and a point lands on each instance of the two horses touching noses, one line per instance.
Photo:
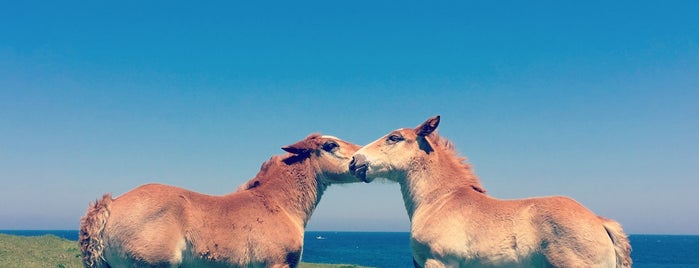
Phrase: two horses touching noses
(454, 223)
(259, 225)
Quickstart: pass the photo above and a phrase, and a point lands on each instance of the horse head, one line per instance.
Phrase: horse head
(329, 155)
(395, 153)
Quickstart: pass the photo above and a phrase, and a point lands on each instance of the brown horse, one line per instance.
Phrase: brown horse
(260, 225)
(454, 223)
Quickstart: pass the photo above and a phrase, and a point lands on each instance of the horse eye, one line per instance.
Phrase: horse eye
(328, 146)
(393, 138)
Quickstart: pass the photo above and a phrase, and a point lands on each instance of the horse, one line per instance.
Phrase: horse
(454, 223)
(261, 224)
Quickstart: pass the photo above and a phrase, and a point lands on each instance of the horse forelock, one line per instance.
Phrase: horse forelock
(447, 147)
(329, 137)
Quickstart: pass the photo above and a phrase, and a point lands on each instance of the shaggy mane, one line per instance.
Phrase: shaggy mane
(311, 141)
(445, 145)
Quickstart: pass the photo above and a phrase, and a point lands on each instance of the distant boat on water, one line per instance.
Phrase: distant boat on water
(320, 237)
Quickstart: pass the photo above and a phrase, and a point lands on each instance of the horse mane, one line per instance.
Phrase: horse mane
(262, 175)
(278, 178)
(444, 145)
(255, 181)
(311, 141)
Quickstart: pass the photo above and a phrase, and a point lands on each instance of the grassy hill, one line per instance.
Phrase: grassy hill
(38, 251)
(50, 251)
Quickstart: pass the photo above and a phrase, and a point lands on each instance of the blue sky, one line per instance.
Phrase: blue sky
(594, 100)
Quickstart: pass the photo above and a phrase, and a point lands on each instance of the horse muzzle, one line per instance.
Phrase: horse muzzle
(358, 167)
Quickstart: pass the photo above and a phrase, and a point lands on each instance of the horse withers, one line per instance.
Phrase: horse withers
(454, 223)
(259, 225)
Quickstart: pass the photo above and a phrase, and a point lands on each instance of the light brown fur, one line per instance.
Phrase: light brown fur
(455, 224)
(260, 225)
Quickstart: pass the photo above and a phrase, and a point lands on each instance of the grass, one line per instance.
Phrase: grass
(50, 251)
(38, 251)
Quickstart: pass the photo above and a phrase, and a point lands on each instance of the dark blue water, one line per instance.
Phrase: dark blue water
(388, 250)
(67, 234)
(362, 248)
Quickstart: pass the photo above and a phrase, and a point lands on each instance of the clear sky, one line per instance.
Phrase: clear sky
(596, 100)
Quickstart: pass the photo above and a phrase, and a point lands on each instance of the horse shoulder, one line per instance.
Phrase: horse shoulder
(445, 227)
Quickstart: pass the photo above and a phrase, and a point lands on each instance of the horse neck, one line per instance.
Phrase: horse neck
(434, 177)
(294, 187)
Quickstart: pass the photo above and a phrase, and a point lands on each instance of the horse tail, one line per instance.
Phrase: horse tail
(91, 231)
(622, 246)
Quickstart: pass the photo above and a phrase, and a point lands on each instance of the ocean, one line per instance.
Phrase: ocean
(388, 250)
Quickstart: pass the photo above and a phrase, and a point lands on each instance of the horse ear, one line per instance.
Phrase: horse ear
(298, 148)
(428, 126)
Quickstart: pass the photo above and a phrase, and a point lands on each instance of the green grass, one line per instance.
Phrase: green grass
(38, 251)
(50, 251)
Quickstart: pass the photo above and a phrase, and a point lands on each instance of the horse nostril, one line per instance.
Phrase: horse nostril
(358, 167)
(352, 163)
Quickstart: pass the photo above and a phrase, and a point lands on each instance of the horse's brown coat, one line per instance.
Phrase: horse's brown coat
(260, 225)
(455, 224)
